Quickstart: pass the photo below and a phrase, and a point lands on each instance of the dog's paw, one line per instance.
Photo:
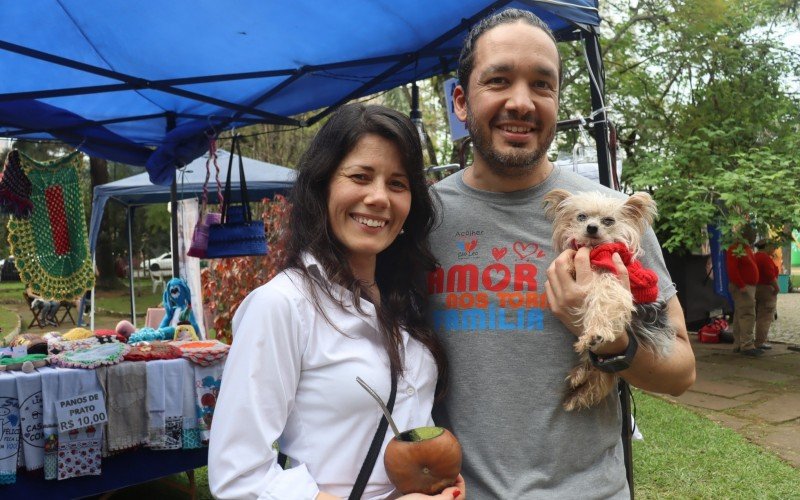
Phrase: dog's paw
(589, 341)
(598, 337)
(583, 344)
(606, 335)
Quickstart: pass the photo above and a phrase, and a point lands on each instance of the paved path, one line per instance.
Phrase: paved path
(757, 397)
(787, 327)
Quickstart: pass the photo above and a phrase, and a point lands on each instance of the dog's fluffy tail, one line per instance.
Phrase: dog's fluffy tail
(651, 326)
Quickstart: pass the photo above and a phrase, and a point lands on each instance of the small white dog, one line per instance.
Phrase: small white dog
(609, 225)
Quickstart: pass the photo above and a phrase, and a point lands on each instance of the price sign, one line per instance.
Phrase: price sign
(81, 411)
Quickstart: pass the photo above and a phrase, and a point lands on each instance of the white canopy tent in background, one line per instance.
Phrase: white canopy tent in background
(263, 180)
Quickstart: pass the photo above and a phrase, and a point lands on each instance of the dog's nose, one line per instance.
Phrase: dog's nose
(591, 229)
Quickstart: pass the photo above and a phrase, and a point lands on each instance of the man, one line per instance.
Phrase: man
(742, 281)
(766, 292)
(507, 325)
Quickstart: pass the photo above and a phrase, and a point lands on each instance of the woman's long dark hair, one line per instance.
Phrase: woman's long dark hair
(400, 269)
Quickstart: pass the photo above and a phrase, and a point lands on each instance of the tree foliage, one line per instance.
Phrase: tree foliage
(226, 282)
(705, 99)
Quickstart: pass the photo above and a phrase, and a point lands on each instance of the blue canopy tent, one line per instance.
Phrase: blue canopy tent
(144, 82)
(263, 180)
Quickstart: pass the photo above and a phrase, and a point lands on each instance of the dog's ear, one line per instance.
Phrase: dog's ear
(641, 207)
(552, 200)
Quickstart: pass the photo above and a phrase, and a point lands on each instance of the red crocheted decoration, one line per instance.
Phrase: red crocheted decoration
(644, 282)
(153, 350)
(54, 198)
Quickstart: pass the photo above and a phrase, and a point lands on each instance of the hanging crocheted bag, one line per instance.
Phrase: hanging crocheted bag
(15, 188)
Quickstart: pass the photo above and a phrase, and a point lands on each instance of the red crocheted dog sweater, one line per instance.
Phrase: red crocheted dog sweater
(644, 282)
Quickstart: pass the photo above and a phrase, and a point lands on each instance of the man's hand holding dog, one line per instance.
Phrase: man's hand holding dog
(568, 279)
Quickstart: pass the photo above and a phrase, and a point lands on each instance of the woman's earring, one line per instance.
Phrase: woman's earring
(402, 230)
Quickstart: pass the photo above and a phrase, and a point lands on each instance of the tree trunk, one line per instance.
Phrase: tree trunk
(98, 170)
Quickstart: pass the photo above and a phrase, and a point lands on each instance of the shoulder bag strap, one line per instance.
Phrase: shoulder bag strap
(212, 152)
(374, 448)
(227, 196)
(243, 184)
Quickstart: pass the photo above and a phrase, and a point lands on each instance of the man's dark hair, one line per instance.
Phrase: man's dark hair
(466, 61)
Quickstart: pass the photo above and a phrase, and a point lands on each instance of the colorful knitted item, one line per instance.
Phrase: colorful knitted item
(93, 357)
(146, 334)
(203, 352)
(35, 360)
(33, 342)
(77, 334)
(56, 345)
(147, 351)
(15, 188)
(51, 247)
(105, 336)
(644, 282)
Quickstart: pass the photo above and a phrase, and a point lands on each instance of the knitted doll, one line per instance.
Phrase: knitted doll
(178, 305)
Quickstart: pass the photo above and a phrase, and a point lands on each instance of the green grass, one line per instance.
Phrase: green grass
(115, 301)
(111, 305)
(119, 301)
(685, 455)
(11, 291)
(8, 321)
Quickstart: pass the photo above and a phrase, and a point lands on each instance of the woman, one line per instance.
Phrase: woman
(351, 302)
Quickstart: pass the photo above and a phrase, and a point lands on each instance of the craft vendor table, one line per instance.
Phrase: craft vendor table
(135, 465)
(126, 469)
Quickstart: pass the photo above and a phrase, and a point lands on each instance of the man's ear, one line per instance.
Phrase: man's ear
(460, 103)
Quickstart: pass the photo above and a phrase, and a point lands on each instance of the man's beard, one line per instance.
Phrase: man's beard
(512, 164)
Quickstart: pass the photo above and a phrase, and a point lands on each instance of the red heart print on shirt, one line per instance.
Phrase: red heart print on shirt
(499, 253)
(524, 250)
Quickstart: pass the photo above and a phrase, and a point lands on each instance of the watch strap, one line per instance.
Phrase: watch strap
(619, 362)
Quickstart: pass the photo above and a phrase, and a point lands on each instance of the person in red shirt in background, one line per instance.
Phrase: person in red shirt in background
(742, 281)
(766, 292)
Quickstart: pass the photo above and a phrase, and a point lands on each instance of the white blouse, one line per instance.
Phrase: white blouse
(290, 376)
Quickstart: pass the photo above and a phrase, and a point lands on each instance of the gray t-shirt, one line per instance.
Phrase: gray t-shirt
(509, 356)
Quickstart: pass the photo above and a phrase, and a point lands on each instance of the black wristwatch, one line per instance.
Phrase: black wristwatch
(618, 362)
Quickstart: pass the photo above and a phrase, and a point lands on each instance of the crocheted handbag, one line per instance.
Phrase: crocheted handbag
(15, 188)
(238, 234)
(199, 243)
